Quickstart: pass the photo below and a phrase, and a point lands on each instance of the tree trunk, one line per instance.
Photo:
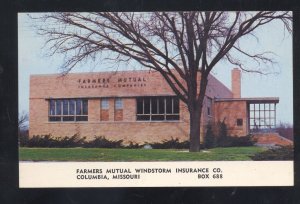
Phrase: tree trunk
(195, 117)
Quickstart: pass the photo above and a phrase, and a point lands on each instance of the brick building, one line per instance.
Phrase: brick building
(137, 106)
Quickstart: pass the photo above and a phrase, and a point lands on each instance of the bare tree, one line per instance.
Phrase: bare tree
(182, 46)
(22, 121)
(23, 128)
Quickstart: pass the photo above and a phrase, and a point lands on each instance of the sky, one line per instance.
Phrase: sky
(32, 59)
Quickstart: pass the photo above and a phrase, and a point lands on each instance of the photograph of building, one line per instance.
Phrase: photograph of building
(138, 106)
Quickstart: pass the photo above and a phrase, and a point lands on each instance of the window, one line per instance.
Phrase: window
(239, 122)
(118, 104)
(104, 104)
(64, 110)
(262, 116)
(157, 108)
(209, 106)
(118, 113)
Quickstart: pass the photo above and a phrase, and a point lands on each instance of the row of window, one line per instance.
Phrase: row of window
(148, 108)
(262, 116)
(105, 104)
(153, 109)
(157, 108)
(68, 110)
(209, 106)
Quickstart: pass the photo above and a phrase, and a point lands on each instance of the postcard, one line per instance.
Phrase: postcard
(155, 99)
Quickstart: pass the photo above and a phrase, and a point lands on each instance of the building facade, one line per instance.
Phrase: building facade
(137, 106)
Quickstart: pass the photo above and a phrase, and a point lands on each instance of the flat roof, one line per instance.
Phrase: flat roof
(108, 96)
(252, 100)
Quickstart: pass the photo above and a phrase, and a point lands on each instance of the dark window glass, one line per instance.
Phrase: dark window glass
(71, 107)
(58, 107)
(81, 118)
(52, 107)
(172, 117)
(143, 117)
(239, 122)
(85, 107)
(158, 117)
(154, 103)
(68, 110)
(209, 105)
(169, 105)
(65, 107)
(78, 107)
(54, 118)
(146, 105)
(139, 104)
(161, 102)
(68, 118)
(157, 108)
(176, 105)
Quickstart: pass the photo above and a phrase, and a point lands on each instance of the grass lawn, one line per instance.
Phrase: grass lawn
(103, 154)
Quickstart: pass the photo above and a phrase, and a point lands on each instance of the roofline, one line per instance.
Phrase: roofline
(254, 100)
(92, 72)
(228, 89)
(108, 96)
(114, 72)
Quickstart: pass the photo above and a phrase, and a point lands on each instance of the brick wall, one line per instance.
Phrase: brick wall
(111, 123)
(231, 111)
(118, 115)
(94, 110)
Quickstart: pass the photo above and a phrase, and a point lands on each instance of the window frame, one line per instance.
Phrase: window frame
(239, 122)
(104, 106)
(65, 115)
(209, 105)
(162, 114)
(119, 104)
(262, 116)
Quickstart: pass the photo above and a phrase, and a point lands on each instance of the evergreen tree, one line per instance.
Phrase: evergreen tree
(209, 138)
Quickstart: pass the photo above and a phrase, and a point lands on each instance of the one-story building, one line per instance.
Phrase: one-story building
(137, 106)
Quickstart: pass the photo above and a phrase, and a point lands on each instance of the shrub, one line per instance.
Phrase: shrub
(171, 144)
(222, 129)
(281, 153)
(23, 138)
(209, 138)
(222, 132)
(221, 139)
(133, 146)
(49, 141)
(74, 141)
(285, 130)
(102, 142)
(41, 141)
(243, 141)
